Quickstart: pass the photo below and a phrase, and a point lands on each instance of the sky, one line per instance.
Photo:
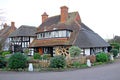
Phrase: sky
(102, 16)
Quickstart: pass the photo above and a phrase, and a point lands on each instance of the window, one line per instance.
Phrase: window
(62, 33)
(54, 34)
(68, 33)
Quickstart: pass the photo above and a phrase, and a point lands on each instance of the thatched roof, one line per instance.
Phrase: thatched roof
(24, 31)
(81, 35)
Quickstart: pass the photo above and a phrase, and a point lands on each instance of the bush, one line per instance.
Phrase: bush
(74, 51)
(46, 56)
(102, 57)
(37, 56)
(5, 53)
(1, 52)
(16, 61)
(76, 64)
(114, 52)
(3, 63)
(58, 62)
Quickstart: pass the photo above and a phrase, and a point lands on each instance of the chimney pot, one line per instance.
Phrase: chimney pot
(44, 16)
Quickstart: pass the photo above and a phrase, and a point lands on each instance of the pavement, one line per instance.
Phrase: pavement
(102, 72)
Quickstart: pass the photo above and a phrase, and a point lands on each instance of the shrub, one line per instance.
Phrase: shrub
(74, 51)
(5, 53)
(2, 62)
(1, 52)
(101, 57)
(37, 56)
(58, 62)
(16, 61)
(115, 45)
(76, 64)
(26, 51)
(46, 56)
(114, 52)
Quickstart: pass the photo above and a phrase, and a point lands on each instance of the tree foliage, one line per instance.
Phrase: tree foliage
(74, 51)
(114, 52)
(115, 45)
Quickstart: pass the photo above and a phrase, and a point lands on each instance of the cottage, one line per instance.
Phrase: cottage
(22, 37)
(4, 35)
(56, 34)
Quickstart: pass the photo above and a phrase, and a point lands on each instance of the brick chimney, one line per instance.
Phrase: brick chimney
(12, 24)
(5, 25)
(44, 16)
(64, 14)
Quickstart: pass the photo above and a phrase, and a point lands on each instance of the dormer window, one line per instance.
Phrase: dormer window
(54, 34)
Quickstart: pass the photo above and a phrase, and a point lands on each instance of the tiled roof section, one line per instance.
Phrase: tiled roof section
(54, 23)
(49, 42)
(87, 39)
(24, 31)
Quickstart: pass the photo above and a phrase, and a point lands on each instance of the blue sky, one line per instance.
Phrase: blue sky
(102, 16)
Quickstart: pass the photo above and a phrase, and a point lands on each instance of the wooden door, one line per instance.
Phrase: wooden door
(40, 51)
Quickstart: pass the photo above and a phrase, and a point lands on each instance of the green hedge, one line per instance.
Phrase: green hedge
(17, 60)
(37, 56)
(58, 62)
(102, 57)
(3, 63)
(114, 52)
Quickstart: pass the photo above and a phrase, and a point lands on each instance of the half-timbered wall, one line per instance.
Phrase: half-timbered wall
(23, 42)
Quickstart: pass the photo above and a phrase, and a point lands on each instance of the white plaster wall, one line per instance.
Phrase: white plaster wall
(6, 45)
(31, 39)
(87, 51)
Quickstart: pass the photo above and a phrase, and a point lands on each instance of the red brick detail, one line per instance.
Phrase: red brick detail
(12, 24)
(44, 16)
(78, 17)
(64, 14)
